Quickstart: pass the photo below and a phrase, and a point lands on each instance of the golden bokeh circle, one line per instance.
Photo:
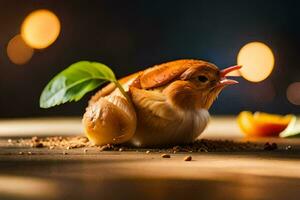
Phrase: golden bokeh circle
(40, 28)
(257, 60)
(18, 51)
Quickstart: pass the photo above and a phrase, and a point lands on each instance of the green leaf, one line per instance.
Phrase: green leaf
(74, 82)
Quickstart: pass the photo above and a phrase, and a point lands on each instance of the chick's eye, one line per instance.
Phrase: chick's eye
(202, 79)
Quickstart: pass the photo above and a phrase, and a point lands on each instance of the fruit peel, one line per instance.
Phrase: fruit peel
(262, 124)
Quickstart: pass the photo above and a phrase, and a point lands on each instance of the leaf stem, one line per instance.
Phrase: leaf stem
(123, 91)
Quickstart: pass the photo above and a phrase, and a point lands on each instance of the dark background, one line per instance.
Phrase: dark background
(132, 35)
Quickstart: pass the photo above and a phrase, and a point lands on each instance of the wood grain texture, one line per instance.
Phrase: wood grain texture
(49, 174)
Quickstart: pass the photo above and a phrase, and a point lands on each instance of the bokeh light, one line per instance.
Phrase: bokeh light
(293, 93)
(257, 60)
(18, 51)
(40, 29)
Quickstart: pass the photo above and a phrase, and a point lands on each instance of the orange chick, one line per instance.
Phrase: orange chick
(169, 105)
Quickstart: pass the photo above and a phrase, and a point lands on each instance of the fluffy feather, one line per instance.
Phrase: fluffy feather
(170, 105)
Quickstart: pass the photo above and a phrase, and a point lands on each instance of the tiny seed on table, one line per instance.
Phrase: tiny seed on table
(188, 158)
(165, 156)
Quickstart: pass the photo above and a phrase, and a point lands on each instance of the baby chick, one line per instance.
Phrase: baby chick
(169, 105)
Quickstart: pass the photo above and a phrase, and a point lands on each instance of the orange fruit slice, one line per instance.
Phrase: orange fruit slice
(262, 124)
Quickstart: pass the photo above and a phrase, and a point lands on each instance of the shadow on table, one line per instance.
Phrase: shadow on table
(97, 179)
(245, 187)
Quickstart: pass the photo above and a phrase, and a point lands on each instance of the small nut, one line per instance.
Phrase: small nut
(188, 158)
(39, 145)
(165, 155)
(270, 147)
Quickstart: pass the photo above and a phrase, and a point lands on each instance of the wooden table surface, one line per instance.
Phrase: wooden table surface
(123, 175)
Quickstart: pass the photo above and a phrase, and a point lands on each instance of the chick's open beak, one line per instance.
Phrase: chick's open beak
(224, 80)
